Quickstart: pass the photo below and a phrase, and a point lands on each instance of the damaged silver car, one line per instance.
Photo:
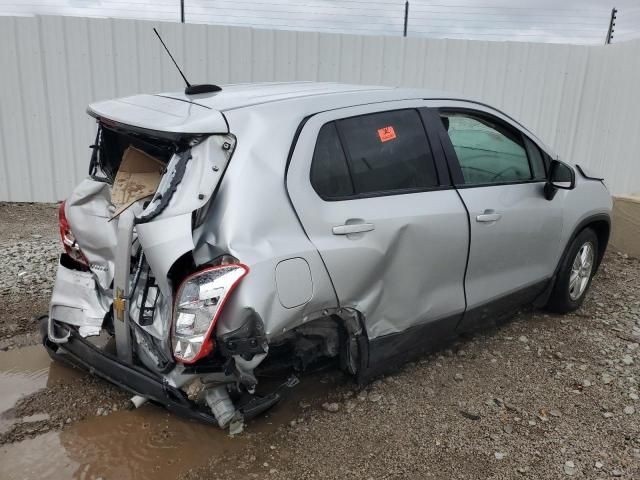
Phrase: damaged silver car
(267, 229)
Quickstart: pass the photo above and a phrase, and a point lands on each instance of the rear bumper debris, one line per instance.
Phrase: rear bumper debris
(138, 381)
(80, 352)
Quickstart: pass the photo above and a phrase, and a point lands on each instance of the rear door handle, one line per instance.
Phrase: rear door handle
(353, 228)
(489, 216)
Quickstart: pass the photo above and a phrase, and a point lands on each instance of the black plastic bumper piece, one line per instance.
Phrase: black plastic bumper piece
(136, 380)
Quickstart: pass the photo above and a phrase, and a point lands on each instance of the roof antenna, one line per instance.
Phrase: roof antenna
(189, 89)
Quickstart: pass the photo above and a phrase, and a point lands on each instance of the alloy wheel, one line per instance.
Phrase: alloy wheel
(581, 271)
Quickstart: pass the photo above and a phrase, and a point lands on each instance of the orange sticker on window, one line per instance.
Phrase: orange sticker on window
(386, 134)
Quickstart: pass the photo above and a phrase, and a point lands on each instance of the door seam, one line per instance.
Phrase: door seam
(466, 265)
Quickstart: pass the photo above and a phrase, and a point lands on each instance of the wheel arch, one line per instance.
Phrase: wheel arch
(601, 225)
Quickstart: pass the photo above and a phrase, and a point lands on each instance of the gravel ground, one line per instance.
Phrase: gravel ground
(29, 250)
(541, 397)
(29, 253)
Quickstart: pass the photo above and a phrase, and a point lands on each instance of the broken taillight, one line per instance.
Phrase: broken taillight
(199, 301)
(69, 242)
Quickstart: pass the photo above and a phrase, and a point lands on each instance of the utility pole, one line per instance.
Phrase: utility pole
(406, 16)
(181, 11)
(612, 23)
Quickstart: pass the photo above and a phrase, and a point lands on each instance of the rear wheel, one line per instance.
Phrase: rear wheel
(576, 272)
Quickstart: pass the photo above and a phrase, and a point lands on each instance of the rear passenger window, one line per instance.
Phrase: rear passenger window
(388, 151)
(488, 152)
(329, 172)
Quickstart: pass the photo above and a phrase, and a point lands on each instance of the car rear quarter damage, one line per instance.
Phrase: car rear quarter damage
(181, 296)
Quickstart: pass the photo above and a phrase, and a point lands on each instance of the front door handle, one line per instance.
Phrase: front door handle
(353, 228)
(489, 216)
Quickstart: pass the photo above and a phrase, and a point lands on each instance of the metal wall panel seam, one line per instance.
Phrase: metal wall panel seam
(26, 179)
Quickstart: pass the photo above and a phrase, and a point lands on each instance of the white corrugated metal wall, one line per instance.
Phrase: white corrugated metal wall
(581, 100)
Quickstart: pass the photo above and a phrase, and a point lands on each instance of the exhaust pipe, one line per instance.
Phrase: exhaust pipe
(220, 404)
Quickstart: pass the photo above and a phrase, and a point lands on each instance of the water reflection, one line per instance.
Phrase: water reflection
(22, 372)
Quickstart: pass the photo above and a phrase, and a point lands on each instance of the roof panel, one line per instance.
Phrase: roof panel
(180, 113)
(245, 94)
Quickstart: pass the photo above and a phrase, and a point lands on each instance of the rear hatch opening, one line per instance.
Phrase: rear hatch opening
(113, 141)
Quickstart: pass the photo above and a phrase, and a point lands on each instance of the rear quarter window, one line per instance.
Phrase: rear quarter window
(329, 172)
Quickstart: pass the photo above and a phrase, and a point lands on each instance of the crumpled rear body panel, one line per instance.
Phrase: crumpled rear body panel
(252, 219)
(83, 298)
(88, 210)
(76, 300)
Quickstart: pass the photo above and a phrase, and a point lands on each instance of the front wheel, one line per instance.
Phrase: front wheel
(576, 272)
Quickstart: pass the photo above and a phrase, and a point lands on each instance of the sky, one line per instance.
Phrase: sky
(558, 21)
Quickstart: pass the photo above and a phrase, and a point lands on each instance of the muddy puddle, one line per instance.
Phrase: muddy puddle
(147, 443)
(22, 372)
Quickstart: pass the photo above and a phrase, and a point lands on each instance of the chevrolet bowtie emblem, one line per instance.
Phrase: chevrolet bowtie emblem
(118, 305)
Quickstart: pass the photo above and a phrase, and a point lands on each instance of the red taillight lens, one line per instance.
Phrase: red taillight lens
(68, 240)
(198, 303)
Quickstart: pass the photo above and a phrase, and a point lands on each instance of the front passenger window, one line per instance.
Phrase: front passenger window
(487, 152)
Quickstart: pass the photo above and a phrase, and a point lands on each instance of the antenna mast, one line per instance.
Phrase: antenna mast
(171, 57)
(190, 89)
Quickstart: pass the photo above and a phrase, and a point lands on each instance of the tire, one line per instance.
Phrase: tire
(575, 274)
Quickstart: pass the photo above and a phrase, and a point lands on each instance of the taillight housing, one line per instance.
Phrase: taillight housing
(69, 242)
(198, 303)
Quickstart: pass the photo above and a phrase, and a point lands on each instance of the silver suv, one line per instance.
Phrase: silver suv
(277, 227)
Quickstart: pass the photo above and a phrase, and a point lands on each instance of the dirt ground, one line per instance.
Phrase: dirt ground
(25, 230)
(543, 396)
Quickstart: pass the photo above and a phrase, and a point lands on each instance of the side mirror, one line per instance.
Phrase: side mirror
(561, 176)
